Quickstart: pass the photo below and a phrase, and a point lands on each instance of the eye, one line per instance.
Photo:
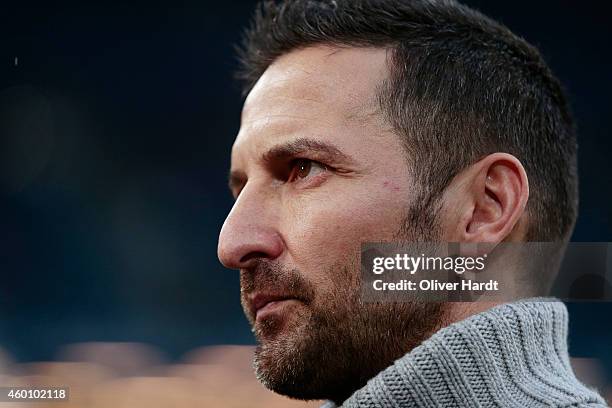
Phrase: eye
(303, 168)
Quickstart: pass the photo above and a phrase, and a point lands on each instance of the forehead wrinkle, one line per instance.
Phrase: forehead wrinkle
(261, 115)
(279, 102)
(364, 113)
(271, 126)
(268, 120)
(363, 110)
(272, 81)
(298, 98)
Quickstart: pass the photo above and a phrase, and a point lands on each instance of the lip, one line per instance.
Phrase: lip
(259, 301)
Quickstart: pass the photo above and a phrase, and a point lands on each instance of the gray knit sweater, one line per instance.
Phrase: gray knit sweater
(512, 355)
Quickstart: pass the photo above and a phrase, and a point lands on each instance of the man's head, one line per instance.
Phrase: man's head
(372, 121)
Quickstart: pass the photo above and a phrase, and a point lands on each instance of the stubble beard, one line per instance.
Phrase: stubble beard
(334, 342)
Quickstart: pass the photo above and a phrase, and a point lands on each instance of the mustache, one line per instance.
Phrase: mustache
(272, 277)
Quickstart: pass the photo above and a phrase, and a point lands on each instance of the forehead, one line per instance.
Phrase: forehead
(318, 88)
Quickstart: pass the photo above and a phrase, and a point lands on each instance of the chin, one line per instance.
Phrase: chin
(280, 359)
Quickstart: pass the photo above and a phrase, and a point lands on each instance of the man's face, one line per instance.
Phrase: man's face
(316, 171)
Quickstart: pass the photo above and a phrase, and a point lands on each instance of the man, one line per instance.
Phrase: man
(383, 121)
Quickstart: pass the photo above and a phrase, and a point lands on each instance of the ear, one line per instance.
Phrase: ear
(489, 199)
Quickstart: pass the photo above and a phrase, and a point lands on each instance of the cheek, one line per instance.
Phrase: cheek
(330, 231)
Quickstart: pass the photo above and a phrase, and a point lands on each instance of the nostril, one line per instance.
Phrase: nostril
(253, 255)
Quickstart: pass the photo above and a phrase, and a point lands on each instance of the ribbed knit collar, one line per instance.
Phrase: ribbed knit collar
(512, 355)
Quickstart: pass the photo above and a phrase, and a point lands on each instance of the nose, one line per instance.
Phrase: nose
(249, 232)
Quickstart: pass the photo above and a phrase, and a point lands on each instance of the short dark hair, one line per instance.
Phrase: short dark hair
(460, 86)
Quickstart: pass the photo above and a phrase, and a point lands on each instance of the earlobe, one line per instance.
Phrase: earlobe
(499, 192)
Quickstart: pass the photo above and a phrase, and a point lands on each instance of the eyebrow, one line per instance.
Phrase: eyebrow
(320, 150)
(304, 145)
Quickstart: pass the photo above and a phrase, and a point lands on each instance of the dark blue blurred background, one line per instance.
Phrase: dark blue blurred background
(116, 123)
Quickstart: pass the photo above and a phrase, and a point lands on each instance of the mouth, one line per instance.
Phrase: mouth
(262, 305)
